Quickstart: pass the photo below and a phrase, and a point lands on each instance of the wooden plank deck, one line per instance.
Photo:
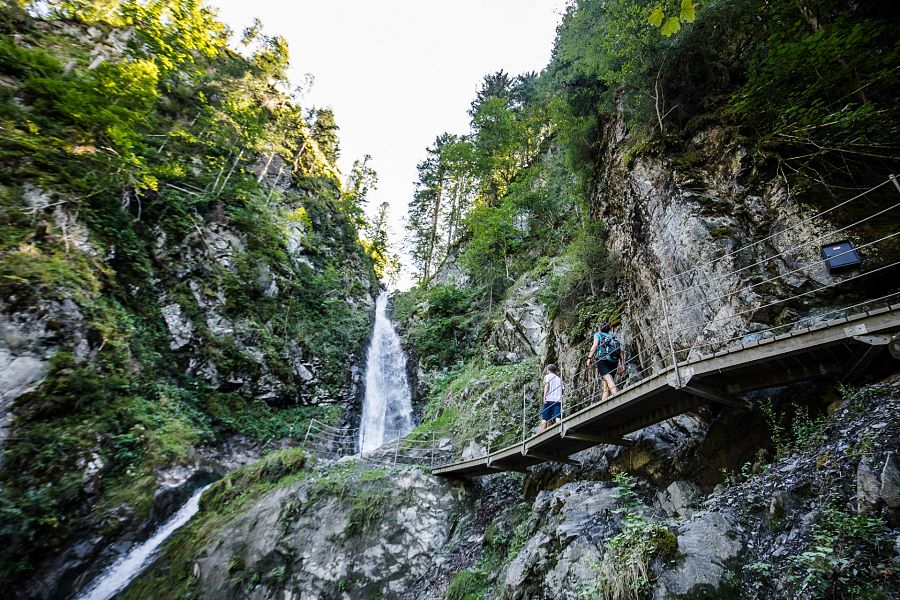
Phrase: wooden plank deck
(825, 350)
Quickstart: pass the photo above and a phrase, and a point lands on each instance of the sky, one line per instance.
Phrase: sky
(398, 73)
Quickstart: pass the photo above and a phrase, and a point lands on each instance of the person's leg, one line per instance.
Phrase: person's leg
(605, 395)
(611, 383)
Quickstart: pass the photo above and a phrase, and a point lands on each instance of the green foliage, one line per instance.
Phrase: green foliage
(587, 271)
(807, 430)
(466, 585)
(685, 12)
(775, 421)
(143, 152)
(442, 326)
(277, 469)
(463, 400)
(825, 94)
(847, 557)
(793, 429)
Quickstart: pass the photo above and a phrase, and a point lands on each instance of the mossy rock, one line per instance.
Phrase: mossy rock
(467, 585)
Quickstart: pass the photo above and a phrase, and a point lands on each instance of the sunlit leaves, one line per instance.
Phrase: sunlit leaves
(688, 12)
(669, 17)
(670, 27)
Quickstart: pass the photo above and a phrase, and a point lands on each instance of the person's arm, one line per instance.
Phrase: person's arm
(546, 389)
(592, 350)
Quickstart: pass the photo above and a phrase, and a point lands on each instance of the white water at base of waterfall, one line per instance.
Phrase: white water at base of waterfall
(118, 575)
(387, 406)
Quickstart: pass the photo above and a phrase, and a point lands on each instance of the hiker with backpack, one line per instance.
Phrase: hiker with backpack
(551, 409)
(606, 352)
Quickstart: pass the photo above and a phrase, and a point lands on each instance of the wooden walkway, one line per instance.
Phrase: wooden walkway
(839, 349)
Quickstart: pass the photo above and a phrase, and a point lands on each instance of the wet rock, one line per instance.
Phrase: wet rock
(176, 484)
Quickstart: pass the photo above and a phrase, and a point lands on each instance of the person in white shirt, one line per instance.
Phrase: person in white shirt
(553, 393)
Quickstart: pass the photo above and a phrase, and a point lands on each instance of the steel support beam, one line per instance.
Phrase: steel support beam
(597, 439)
(714, 395)
(547, 457)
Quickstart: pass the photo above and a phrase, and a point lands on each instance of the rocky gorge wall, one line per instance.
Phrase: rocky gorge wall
(169, 317)
(710, 487)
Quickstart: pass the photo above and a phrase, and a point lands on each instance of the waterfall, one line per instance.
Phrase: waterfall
(119, 574)
(387, 407)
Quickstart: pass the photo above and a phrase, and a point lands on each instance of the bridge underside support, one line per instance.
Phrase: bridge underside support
(714, 395)
(559, 459)
(871, 347)
(598, 439)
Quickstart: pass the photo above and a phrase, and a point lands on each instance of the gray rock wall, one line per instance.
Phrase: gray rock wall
(308, 546)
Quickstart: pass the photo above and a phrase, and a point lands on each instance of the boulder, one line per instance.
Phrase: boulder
(681, 496)
(297, 542)
(705, 545)
(868, 486)
(889, 491)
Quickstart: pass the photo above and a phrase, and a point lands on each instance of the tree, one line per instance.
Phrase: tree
(360, 182)
(324, 131)
(378, 245)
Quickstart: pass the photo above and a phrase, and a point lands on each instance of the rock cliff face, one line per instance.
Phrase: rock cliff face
(704, 224)
(350, 531)
(207, 339)
(740, 504)
(672, 530)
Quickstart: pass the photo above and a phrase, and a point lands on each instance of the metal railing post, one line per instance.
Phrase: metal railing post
(396, 450)
(669, 334)
(306, 437)
(433, 441)
(562, 403)
(490, 427)
(524, 410)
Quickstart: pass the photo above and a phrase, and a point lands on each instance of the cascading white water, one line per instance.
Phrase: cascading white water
(387, 407)
(119, 574)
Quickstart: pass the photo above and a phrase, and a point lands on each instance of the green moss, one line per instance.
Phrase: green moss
(275, 470)
(467, 585)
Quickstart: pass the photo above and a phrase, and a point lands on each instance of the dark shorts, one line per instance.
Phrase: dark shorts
(550, 410)
(605, 367)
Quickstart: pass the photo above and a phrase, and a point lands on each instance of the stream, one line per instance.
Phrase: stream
(119, 574)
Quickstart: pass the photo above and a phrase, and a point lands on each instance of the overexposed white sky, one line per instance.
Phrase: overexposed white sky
(397, 73)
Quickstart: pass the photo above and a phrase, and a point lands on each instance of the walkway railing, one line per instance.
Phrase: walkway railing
(401, 447)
